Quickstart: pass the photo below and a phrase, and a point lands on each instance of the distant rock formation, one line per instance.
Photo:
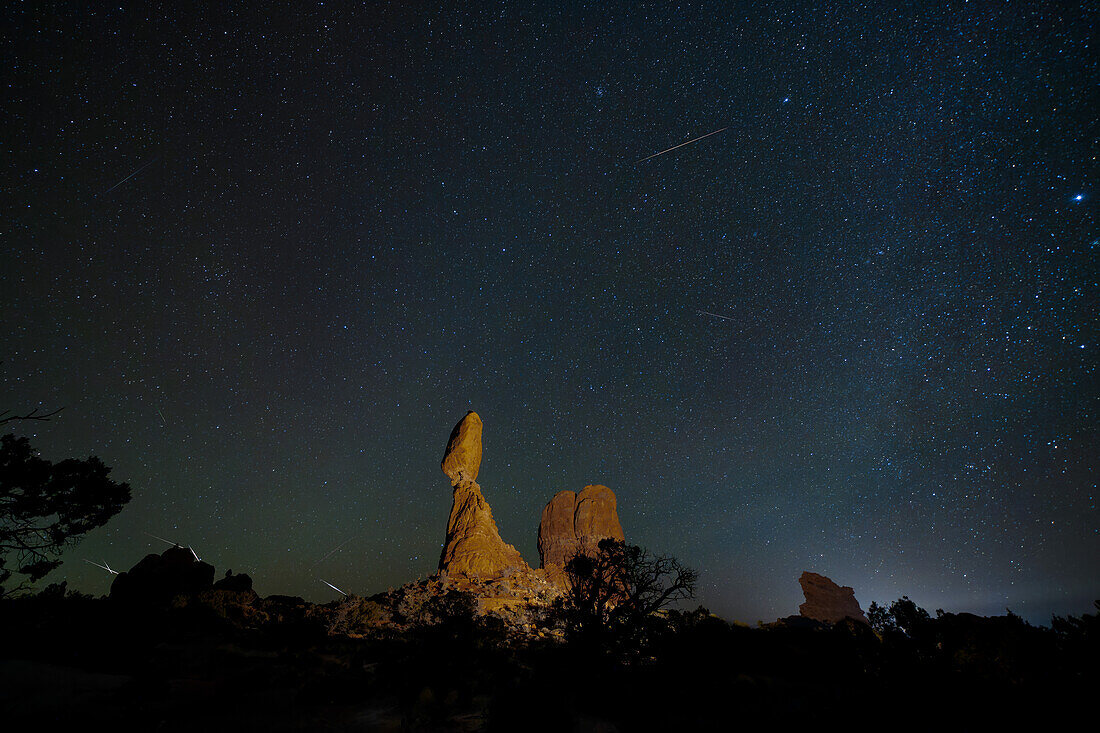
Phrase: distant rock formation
(573, 524)
(473, 546)
(157, 579)
(239, 583)
(828, 602)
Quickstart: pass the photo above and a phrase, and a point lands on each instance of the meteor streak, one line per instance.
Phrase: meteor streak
(104, 566)
(335, 550)
(170, 542)
(330, 585)
(175, 544)
(724, 318)
(139, 170)
(689, 142)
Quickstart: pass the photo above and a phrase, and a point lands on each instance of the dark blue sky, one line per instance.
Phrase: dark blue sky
(853, 333)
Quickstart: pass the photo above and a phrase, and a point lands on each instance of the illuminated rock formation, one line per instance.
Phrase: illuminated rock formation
(575, 523)
(828, 602)
(462, 459)
(473, 546)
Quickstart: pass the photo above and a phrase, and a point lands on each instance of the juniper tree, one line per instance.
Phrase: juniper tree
(46, 506)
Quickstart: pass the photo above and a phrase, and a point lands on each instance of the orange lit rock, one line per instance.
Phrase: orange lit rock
(572, 524)
(473, 546)
(462, 459)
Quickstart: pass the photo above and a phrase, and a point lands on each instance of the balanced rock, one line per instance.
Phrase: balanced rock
(473, 546)
(462, 459)
(828, 602)
(574, 524)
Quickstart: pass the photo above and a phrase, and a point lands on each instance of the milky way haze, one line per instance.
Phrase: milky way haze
(267, 260)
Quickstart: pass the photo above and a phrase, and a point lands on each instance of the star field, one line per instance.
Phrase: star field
(266, 261)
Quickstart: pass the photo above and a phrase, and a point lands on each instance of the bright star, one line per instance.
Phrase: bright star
(1079, 197)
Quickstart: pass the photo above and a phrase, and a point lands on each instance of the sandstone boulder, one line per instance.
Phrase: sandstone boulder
(828, 602)
(462, 459)
(572, 524)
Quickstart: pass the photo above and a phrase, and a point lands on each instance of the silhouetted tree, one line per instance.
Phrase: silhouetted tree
(621, 587)
(45, 506)
(880, 617)
(7, 416)
(903, 615)
(1079, 639)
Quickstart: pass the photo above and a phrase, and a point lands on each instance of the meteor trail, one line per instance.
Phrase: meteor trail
(724, 318)
(139, 170)
(334, 550)
(104, 566)
(689, 142)
(175, 544)
(330, 585)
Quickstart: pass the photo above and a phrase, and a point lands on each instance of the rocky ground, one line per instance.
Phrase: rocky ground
(421, 658)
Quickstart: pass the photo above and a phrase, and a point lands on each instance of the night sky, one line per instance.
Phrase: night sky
(266, 261)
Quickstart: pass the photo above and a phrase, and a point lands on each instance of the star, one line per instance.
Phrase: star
(789, 327)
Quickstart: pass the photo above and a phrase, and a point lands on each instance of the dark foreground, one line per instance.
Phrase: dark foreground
(69, 663)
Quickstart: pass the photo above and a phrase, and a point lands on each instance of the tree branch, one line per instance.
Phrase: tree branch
(32, 415)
